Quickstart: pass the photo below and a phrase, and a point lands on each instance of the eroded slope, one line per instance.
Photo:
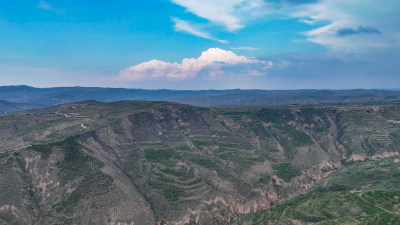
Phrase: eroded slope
(147, 162)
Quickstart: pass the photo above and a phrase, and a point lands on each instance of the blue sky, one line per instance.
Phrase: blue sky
(201, 44)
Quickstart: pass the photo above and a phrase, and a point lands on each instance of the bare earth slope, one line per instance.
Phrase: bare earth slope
(158, 162)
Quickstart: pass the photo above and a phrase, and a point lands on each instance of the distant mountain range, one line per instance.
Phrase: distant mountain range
(13, 107)
(16, 98)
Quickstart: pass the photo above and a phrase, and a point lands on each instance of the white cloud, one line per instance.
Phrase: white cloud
(184, 26)
(46, 6)
(212, 63)
(245, 48)
(229, 13)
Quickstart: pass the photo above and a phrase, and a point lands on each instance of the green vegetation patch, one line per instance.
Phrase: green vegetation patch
(4, 155)
(202, 161)
(275, 115)
(182, 148)
(243, 161)
(40, 126)
(162, 178)
(146, 104)
(206, 163)
(114, 113)
(77, 163)
(262, 131)
(170, 192)
(396, 136)
(232, 142)
(139, 105)
(387, 199)
(179, 172)
(299, 138)
(162, 156)
(45, 149)
(286, 171)
(201, 143)
(264, 180)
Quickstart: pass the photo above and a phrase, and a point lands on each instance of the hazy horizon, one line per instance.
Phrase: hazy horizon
(242, 89)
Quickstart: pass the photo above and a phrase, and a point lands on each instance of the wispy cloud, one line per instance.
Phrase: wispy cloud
(245, 48)
(184, 26)
(46, 6)
(211, 63)
(231, 14)
(341, 16)
(221, 12)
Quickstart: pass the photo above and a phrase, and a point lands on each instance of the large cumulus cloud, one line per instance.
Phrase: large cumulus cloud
(211, 63)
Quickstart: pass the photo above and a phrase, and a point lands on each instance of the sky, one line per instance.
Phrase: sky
(201, 44)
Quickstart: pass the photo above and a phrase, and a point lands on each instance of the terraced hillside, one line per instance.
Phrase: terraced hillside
(158, 162)
(363, 193)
